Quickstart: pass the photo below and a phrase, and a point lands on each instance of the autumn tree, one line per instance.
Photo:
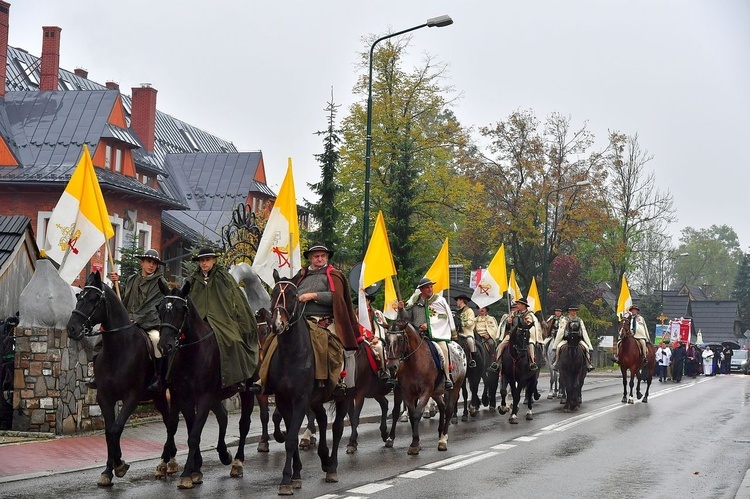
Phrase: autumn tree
(714, 258)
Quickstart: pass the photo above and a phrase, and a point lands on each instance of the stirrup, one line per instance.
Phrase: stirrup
(448, 384)
(533, 366)
(494, 367)
(472, 363)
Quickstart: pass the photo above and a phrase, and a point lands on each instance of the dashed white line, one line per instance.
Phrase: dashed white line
(416, 474)
(502, 446)
(453, 459)
(370, 488)
(524, 439)
(469, 461)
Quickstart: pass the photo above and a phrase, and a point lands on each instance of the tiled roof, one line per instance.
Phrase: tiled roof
(715, 319)
(202, 224)
(11, 231)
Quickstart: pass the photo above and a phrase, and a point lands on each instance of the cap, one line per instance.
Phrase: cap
(317, 247)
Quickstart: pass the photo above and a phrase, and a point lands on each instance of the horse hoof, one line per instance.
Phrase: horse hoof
(161, 471)
(645, 400)
(263, 447)
(172, 467)
(639, 395)
(454, 420)
(514, 419)
(485, 400)
(426, 414)
(104, 480)
(529, 417)
(442, 446)
(414, 450)
(237, 470)
(279, 436)
(285, 490)
(464, 418)
(537, 396)
(566, 409)
(550, 396)
(296, 483)
(332, 477)
(196, 477)
(404, 418)
(563, 401)
(304, 444)
(185, 483)
(351, 449)
(624, 399)
(121, 469)
(502, 410)
(631, 401)
(389, 443)
(491, 408)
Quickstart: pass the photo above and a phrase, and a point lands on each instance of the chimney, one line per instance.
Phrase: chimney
(112, 85)
(50, 58)
(81, 72)
(4, 14)
(143, 114)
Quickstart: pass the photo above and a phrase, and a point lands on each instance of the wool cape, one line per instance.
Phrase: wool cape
(141, 296)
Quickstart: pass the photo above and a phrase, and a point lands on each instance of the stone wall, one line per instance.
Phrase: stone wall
(50, 394)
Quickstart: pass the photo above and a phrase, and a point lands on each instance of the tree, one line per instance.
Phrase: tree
(742, 291)
(713, 261)
(324, 211)
(129, 262)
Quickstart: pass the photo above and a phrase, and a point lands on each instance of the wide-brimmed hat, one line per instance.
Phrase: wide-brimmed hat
(205, 252)
(634, 307)
(558, 310)
(424, 282)
(463, 297)
(522, 301)
(573, 307)
(152, 254)
(318, 247)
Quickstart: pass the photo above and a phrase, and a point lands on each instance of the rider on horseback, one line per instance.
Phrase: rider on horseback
(375, 340)
(140, 297)
(431, 314)
(468, 320)
(639, 330)
(572, 323)
(486, 327)
(524, 319)
(553, 322)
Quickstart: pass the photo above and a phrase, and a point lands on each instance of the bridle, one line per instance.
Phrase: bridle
(281, 304)
(87, 329)
(168, 302)
(403, 336)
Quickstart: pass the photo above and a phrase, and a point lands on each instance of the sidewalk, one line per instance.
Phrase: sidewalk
(23, 457)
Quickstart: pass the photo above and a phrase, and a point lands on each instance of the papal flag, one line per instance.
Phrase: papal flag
(376, 266)
(278, 248)
(494, 281)
(79, 224)
(513, 290)
(624, 301)
(390, 306)
(535, 304)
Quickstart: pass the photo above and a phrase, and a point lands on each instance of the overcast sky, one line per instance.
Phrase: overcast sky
(677, 73)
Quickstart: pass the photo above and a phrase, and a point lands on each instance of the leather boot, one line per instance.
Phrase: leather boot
(157, 384)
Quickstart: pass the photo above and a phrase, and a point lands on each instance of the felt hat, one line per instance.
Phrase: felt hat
(317, 247)
(463, 297)
(152, 254)
(634, 307)
(205, 252)
(522, 301)
(558, 309)
(424, 282)
(573, 307)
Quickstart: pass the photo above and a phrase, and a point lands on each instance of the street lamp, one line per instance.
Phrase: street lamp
(662, 261)
(546, 218)
(437, 22)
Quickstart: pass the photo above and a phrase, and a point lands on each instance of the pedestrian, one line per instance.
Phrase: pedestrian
(663, 355)
(678, 362)
(468, 320)
(708, 361)
(726, 360)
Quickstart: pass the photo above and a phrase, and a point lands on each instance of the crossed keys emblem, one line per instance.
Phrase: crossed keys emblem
(282, 255)
(69, 238)
(485, 289)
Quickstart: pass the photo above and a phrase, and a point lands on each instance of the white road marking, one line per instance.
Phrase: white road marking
(469, 461)
(416, 474)
(524, 439)
(453, 459)
(502, 446)
(370, 488)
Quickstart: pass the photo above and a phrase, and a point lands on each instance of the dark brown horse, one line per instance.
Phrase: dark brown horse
(123, 370)
(195, 380)
(514, 368)
(419, 379)
(474, 376)
(291, 378)
(573, 369)
(630, 359)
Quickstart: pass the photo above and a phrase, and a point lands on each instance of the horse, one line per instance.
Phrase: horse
(291, 378)
(419, 379)
(195, 381)
(123, 370)
(573, 369)
(555, 388)
(629, 355)
(514, 366)
(474, 375)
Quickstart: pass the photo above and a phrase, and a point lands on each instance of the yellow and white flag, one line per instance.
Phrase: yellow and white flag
(513, 290)
(390, 306)
(624, 301)
(278, 248)
(376, 266)
(535, 304)
(494, 281)
(79, 224)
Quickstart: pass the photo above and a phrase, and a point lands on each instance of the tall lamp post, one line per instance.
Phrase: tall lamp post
(437, 22)
(546, 250)
(661, 272)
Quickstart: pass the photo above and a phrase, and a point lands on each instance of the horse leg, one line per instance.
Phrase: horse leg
(383, 402)
(648, 387)
(191, 474)
(531, 391)
(113, 434)
(624, 372)
(465, 393)
(247, 404)
(278, 434)
(308, 437)
(474, 386)
(394, 417)
(263, 409)
(503, 409)
(337, 431)
(223, 420)
(515, 391)
(171, 420)
(108, 412)
(445, 405)
(630, 397)
(415, 416)
(293, 413)
(354, 412)
(322, 419)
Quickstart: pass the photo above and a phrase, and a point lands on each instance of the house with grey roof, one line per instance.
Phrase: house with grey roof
(18, 253)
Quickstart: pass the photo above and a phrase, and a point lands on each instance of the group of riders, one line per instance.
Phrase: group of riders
(325, 302)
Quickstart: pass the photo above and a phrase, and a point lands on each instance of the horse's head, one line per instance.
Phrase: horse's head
(624, 327)
(173, 315)
(283, 303)
(519, 337)
(91, 307)
(397, 343)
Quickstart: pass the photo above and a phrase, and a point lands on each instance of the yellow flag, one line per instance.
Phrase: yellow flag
(439, 273)
(535, 304)
(378, 263)
(513, 289)
(624, 301)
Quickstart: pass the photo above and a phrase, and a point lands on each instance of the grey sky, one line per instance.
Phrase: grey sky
(260, 73)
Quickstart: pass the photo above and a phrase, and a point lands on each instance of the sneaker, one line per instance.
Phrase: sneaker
(472, 363)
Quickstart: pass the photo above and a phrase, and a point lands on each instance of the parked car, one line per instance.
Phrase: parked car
(740, 361)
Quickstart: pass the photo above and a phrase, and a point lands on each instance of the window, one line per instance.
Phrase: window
(108, 157)
(118, 160)
(29, 71)
(146, 180)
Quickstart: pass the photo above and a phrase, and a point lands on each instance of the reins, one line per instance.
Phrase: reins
(283, 285)
(88, 327)
(179, 330)
(405, 355)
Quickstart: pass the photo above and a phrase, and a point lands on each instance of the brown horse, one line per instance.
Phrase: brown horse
(419, 379)
(629, 355)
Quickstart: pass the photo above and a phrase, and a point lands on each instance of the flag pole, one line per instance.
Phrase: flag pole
(108, 250)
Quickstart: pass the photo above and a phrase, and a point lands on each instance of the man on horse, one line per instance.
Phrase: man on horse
(486, 327)
(140, 297)
(524, 319)
(431, 314)
(553, 322)
(220, 301)
(325, 293)
(569, 324)
(468, 319)
(639, 330)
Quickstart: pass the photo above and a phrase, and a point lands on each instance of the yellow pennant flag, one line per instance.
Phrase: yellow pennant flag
(624, 301)
(390, 310)
(79, 224)
(535, 304)
(513, 289)
(439, 273)
(377, 265)
(278, 248)
(494, 281)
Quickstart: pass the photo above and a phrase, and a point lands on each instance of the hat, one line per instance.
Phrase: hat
(370, 296)
(522, 301)
(317, 247)
(205, 252)
(424, 282)
(573, 307)
(634, 307)
(152, 254)
(558, 309)
(463, 297)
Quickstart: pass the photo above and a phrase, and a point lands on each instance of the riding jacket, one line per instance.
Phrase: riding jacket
(562, 332)
(141, 296)
(440, 325)
(639, 328)
(486, 325)
(468, 319)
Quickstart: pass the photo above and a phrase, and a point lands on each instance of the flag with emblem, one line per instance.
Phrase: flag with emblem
(79, 225)
(513, 290)
(535, 304)
(376, 266)
(494, 281)
(278, 248)
(624, 301)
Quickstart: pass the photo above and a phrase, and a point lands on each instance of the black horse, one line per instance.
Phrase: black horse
(514, 366)
(291, 378)
(123, 370)
(475, 375)
(573, 368)
(195, 380)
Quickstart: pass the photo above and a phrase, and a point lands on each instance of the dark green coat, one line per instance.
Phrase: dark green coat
(141, 296)
(220, 301)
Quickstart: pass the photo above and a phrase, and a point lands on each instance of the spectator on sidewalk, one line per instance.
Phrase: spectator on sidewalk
(663, 355)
